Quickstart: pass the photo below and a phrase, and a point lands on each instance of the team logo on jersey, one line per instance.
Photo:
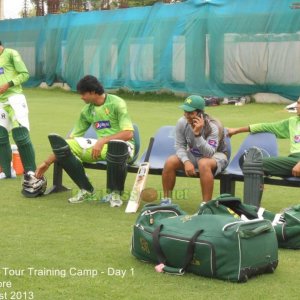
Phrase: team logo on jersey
(106, 111)
(1, 71)
(102, 124)
(3, 116)
(213, 143)
(297, 138)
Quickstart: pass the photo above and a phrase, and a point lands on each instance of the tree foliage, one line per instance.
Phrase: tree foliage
(42, 7)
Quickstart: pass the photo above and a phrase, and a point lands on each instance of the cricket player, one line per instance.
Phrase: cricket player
(199, 144)
(14, 113)
(109, 117)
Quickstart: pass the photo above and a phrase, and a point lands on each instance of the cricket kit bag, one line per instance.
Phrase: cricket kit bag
(286, 223)
(215, 246)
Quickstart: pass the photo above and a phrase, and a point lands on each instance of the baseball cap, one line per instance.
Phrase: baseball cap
(192, 103)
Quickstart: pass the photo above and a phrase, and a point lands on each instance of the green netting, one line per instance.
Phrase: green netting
(218, 47)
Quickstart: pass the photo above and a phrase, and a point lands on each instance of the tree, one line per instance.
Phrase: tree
(41, 7)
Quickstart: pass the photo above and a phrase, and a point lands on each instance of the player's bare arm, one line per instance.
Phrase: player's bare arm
(233, 131)
(4, 88)
(44, 166)
(296, 170)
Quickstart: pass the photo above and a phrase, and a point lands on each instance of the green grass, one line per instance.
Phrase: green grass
(47, 233)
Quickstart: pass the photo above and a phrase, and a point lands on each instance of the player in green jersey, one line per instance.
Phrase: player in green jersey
(109, 117)
(255, 165)
(285, 129)
(14, 113)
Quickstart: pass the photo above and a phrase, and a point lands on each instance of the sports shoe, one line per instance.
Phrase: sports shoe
(82, 196)
(113, 198)
(106, 198)
(165, 201)
(12, 172)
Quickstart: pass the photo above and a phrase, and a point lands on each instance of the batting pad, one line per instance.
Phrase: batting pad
(253, 177)
(117, 154)
(5, 152)
(69, 162)
(25, 147)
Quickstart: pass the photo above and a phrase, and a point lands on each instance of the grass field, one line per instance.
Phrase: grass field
(86, 246)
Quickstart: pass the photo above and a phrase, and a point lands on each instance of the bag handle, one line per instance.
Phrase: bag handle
(162, 267)
(249, 233)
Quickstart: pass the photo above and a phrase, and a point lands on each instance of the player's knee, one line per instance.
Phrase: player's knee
(117, 152)
(4, 139)
(206, 165)
(60, 147)
(21, 135)
(172, 163)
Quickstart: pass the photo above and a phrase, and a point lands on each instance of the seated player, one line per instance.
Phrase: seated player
(109, 117)
(199, 144)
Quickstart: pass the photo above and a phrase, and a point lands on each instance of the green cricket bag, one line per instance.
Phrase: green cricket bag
(215, 246)
(287, 227)
(286, 223)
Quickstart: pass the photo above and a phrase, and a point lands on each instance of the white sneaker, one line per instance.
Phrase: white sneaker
(82, 196)
(114, 199)
(165, 201)
(13, 174)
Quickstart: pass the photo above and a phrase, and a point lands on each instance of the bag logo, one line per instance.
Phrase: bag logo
(186, 218)
(144, 245)
(195, 261)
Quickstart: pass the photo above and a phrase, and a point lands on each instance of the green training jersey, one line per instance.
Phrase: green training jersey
(12, 68)
(285, 129)
(107, 119)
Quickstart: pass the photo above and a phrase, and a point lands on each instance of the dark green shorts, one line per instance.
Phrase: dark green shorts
(280, 165)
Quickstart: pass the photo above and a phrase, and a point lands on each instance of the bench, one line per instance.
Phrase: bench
(163, 147)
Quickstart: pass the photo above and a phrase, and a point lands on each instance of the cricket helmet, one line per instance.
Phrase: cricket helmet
(33, 186)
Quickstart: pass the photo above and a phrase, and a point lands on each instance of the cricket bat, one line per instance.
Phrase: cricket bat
(140, 182)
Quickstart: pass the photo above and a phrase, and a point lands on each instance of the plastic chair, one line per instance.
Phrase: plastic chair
(163, 147)
(265, 141)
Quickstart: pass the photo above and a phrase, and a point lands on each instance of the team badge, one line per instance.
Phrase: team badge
(1, 71)
(3, 116)
(297, 138)
(106, 111)
(213, 143)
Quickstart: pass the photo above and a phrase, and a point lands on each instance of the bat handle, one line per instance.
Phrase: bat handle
(147, 156)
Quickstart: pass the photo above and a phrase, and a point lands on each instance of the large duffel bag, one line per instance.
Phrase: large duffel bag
(216, 246)
(286, 223)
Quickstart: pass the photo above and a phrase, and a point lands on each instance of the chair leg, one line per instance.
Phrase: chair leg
(227, 185)
(57, 186)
